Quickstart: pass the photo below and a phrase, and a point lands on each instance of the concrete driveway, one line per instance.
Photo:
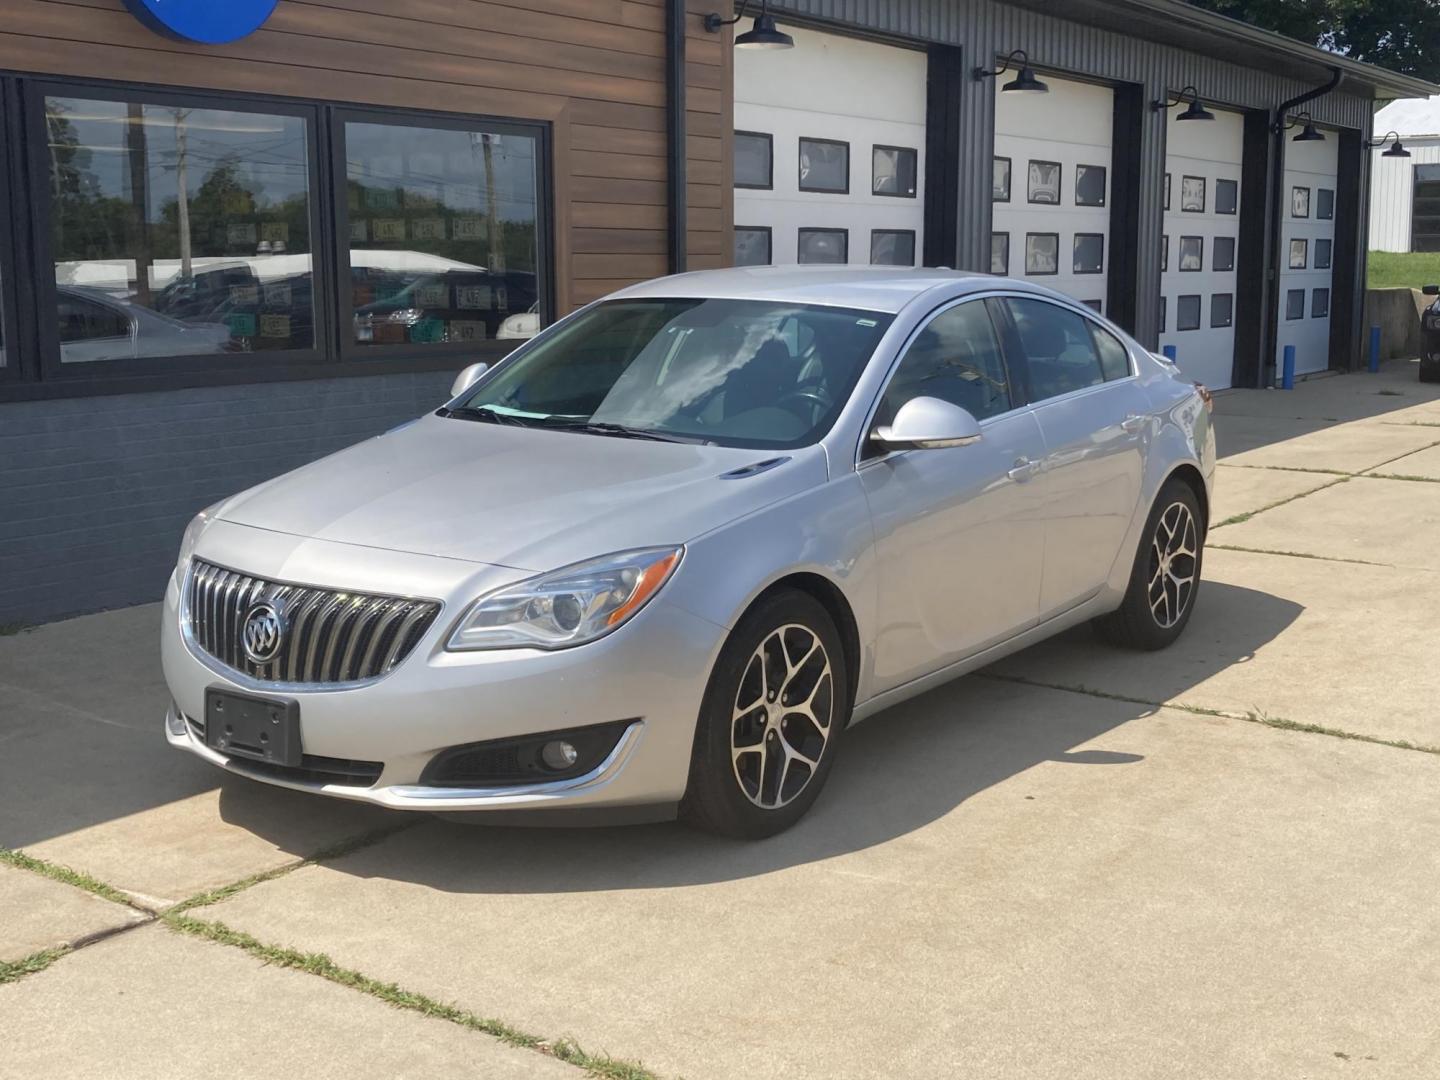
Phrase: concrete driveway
(1215, 862)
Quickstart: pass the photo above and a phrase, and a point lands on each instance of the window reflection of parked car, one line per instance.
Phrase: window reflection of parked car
(96, 326)
(276, 314)
(203, 292)
(457, 305)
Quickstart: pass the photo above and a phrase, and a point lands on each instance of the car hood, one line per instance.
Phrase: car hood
(521, 497)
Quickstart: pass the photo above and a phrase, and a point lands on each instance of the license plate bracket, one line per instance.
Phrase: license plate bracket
(255, 728)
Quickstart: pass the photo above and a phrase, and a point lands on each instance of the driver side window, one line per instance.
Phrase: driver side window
(956, 358)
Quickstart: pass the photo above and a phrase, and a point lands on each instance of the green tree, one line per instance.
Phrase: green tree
(1402, 35)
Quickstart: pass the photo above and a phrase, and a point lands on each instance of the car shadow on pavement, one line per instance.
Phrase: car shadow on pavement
(897, 773)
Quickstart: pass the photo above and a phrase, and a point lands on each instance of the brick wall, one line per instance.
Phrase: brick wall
(95, 492)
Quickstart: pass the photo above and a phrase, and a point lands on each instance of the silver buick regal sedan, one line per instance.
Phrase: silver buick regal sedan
(658, 559)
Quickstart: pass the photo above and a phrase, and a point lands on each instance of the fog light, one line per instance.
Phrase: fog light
(559, 755)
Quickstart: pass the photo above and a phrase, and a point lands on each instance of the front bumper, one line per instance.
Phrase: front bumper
(653, 672)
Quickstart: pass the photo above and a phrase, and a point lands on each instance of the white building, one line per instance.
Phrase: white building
(1405, 192)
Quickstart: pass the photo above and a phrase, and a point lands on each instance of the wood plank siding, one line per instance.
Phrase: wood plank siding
(593, 69)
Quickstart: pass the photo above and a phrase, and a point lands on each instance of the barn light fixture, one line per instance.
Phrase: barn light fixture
(1196, 111)
(1308, 132)
(763, 33)
(1398, 150)
(1024, 82)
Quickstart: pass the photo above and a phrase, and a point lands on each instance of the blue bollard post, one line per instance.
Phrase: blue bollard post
(1374, 349)
(1170, 353)
(1287, 372)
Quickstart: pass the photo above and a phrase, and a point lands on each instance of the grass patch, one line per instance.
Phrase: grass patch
(21, 861)
(18, 969)
(1239, 518)
(334, 851)
(396, 996)
(1402, 270)
(1254, 716)
(1295, 555)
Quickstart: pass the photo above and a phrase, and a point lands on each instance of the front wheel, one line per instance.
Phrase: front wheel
(1166, 576)
(774, 711)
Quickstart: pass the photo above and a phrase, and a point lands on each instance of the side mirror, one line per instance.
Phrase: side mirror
(930, 424)
(467, 378)
(1431, 290)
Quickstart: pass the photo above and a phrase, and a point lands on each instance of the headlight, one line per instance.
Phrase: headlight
(569, 606)
(192, 533)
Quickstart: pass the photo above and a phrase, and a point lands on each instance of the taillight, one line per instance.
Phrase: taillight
(1206, 396)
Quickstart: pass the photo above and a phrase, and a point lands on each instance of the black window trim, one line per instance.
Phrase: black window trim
(1041, 273)
(1199, 299)
(1059, 183)
(1215, 256)
(914, 153)
(1228, 322)
(349, 349)
(914, 246)
(769, 184)
(1009, 178)
(1180, 267)
(1104, 186)
(800, 142)
(1204, 194)
(1073, 245)
(1219, 180)
(769, 241)
(844, 233)
(30, 373)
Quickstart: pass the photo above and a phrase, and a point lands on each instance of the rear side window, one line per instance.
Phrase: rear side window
(1060, 353)
(1114, 360)
(955, 358)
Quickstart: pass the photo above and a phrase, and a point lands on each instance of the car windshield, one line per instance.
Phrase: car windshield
(746, 373)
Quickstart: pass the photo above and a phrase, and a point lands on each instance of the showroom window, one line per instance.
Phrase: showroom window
(198, 237)
(441, 222)
(177, 230)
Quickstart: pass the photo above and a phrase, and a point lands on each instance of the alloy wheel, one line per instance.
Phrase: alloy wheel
(782, 716)
(1173, 563)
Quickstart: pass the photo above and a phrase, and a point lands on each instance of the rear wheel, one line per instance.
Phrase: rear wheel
(1166, 576)
(774, 710)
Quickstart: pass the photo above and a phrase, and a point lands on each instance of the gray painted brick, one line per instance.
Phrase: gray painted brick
(94, 492)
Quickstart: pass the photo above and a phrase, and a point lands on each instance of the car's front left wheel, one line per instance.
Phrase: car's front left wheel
(774, 711)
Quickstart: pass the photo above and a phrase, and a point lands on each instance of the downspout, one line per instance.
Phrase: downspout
(1277, 217)
(677, 218)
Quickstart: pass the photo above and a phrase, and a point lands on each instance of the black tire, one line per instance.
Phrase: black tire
(728, 791)
(1147, 618)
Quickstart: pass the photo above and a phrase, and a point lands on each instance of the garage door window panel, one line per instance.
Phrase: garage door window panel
(1192, 194)
(893, 171)
(1187, 312)
(1000, 253)
(1059, 350)
(1227, 197)
(1043, 183)
(754, 160)
(1090, 185)
(1042, 254)
(1224, 253)
(753, 245)
(1089, 253)
(1000, 189)
(1222, 309)
(823, 246)
(824, 166)
(892, 247)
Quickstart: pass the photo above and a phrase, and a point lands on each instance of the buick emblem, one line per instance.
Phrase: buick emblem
(264, 631)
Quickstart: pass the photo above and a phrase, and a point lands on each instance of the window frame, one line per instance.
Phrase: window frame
(769, 232)
(801, 230)
(769, 185)
(800, 141)
(350, 351)
(30, 373)
(914, 153)
(1074, 252)
(52, 367)
(914, 245)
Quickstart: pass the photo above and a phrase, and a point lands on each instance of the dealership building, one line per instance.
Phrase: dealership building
(236, 237)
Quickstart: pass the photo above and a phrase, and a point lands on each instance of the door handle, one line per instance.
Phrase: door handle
(1023, 470)
(1133, 423)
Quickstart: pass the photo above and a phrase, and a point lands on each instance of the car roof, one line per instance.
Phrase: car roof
(869, 288)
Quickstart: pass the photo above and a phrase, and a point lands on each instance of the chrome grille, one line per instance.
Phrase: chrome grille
(329, 637)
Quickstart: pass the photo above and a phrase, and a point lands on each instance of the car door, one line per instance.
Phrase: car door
(959, 532)
(91, 330)
(1093, 416)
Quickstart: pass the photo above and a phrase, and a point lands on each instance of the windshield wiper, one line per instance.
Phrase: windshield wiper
(624, 431)
(485, 413)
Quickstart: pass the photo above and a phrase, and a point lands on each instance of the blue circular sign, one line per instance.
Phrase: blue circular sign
(209, 22)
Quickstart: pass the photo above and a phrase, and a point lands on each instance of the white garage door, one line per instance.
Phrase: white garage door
(1052, 187)
(829, 152)
(1306, 251)
(1202, 233)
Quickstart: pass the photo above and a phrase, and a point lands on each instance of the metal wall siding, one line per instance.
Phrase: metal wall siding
(1392, 205)
(986, 29)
